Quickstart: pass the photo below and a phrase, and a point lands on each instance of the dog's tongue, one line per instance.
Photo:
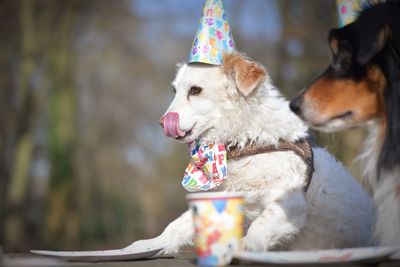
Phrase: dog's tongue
(171, 125)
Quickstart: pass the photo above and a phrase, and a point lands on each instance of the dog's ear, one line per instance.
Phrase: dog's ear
(247, 74)
(370, 42)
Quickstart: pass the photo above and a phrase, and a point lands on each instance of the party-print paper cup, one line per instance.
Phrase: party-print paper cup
(218, 225)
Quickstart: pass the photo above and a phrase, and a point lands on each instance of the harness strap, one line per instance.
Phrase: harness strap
(302, 148)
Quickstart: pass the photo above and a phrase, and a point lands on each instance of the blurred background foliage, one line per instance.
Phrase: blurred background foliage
(83, 162)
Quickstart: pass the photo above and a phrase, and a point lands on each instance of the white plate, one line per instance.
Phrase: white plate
(318, 256)
(101, 255)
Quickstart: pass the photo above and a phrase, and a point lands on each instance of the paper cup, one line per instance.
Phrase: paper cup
(218, 225)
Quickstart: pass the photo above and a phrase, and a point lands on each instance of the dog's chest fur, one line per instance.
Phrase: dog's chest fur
(264, 177)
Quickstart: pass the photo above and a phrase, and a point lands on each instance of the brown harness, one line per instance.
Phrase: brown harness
(301, 148)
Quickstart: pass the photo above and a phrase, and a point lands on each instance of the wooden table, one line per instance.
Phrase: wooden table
(28, 260)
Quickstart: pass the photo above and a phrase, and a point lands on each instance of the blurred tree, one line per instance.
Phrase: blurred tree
(37, 117)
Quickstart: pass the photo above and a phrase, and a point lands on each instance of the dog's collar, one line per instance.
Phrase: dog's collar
(302, 148)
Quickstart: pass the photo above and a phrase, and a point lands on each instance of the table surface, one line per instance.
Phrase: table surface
(28, 260)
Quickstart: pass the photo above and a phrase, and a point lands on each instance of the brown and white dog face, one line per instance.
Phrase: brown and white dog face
(350, 91)
(203, 92)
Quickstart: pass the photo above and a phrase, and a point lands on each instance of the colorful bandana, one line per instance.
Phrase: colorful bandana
(207, 168)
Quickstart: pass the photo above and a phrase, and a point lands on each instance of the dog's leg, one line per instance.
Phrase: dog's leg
(177, 234)
(280, 222)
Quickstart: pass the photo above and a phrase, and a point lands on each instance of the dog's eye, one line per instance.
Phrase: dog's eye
(173, 90)
(195, 90)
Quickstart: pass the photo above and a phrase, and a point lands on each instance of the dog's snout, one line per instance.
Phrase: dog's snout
(295, 104)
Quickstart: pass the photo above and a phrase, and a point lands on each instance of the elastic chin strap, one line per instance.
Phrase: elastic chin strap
(207, 168)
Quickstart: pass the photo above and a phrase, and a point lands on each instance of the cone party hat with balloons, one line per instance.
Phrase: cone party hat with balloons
(213, 37)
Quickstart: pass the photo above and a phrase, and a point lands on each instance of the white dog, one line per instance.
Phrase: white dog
(237, 105)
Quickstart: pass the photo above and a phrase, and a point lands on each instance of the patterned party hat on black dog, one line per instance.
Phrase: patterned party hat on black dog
(349, 10)
(214, 35)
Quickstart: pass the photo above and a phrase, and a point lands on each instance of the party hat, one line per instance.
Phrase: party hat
(213, 37)
(349, 10)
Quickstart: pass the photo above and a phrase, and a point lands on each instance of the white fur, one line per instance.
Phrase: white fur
(335, 212)
(385, 191)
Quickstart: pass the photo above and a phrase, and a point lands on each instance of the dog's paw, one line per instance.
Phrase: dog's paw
(152, 244)
(252, 244)
(146, 244)
(169, 250)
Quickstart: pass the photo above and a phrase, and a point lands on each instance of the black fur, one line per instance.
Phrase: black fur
(389, 156)
(384, 17)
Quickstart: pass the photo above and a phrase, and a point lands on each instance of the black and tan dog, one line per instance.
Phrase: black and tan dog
(362, 87)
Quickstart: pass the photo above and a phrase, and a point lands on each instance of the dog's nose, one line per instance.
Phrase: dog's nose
(161, 121)
(295, 104)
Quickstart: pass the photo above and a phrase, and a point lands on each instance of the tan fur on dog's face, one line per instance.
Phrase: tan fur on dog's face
(335, 104)
(246, 73)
